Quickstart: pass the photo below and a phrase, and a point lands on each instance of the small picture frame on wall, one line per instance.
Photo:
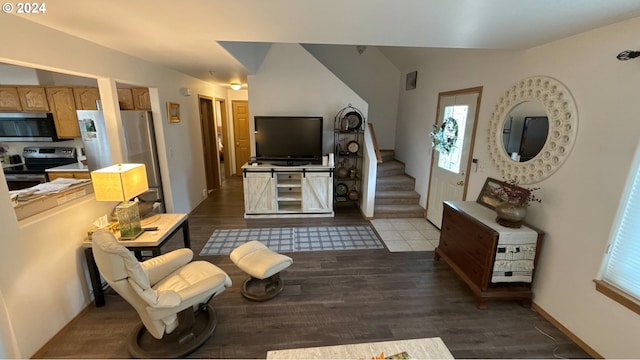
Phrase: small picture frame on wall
(412, 80)
(173, 112)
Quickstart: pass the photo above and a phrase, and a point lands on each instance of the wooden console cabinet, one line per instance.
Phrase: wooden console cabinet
(471, 244)
(279, 191)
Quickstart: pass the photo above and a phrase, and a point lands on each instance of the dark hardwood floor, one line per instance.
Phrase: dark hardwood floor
(330, 298)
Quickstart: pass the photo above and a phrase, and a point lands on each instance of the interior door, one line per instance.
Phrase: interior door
(241, 133)
(450, 172)
(209, 143)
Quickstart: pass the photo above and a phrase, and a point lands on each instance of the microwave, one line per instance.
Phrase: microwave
(27, 127)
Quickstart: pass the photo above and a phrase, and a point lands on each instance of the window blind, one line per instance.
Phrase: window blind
(621, 267)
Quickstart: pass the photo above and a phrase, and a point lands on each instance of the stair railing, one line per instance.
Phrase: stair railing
(375, 143)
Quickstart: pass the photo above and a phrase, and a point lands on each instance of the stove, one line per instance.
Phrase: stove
(36, 160)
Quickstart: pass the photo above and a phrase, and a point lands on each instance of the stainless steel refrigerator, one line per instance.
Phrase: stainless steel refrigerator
(140, 146)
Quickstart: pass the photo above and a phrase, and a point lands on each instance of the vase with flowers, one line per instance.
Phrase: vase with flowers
(515, 200)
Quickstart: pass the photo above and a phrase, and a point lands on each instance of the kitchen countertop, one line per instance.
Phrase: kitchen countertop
(71, 167)
(46, 201)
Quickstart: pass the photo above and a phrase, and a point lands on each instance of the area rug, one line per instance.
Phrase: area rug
(291, 239)
(426, 348)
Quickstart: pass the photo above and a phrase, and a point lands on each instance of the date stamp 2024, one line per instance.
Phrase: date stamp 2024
(24, 8)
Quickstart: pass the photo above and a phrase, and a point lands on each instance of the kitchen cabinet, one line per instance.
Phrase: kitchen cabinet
(33, 98)
(9, 99)
(134, 99)
(68, 175)
(141, 99)
(125, 99)
(63, 107)
(86, 98)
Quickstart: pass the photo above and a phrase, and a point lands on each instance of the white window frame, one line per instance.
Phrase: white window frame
(607, 283)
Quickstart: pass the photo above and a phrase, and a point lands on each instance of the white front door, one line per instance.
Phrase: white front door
(449, 172)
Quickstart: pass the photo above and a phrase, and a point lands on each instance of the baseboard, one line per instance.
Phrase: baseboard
(588, 349)
(368, 218)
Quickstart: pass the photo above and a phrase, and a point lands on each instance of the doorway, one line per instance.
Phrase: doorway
(223, 136)
(449, 173)
(209, 142)
(241, 133)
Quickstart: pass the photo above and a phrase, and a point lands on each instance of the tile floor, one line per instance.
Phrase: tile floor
(413, 234)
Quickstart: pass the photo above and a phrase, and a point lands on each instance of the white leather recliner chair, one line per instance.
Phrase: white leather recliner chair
(170, 293)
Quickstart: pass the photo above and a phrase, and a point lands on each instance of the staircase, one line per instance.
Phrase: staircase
(395, 194)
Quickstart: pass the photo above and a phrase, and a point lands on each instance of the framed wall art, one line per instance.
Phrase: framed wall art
(412, 80)
(173, 112)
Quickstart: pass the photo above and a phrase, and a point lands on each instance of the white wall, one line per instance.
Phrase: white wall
(291, 82)
(372, 76)
(581, 198)
(43, 284)
(446, 70)
(17, 75)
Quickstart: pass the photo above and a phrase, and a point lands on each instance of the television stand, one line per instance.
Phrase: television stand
(289, 190)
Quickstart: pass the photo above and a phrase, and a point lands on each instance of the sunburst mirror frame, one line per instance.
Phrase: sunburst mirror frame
(563, 126)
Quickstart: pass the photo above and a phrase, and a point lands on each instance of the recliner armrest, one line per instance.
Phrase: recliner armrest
(159, 267)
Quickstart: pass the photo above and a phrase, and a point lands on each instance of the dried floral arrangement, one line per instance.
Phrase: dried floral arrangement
(511, 192)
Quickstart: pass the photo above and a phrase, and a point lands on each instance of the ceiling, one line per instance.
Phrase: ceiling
(184, 35)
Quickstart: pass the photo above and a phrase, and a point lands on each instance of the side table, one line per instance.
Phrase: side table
(167, 224)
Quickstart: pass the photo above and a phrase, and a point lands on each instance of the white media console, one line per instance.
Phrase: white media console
(287, 191)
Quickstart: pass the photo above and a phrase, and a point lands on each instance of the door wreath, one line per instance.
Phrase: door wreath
(445, 136)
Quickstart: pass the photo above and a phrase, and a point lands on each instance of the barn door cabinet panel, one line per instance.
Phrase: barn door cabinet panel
(494, 268)
(33, 98)
(63, 107)
(259, 193)
(317, 192)
(86, 98)
(9, 99)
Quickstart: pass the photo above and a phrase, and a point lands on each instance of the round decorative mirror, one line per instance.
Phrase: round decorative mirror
(525, 131)
(532, 129)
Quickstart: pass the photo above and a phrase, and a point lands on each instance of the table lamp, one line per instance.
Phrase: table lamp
(122, 182)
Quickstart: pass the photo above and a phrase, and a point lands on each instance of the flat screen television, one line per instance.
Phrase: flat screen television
(289, 140)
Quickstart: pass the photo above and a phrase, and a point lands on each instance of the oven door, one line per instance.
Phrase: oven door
(23, 181)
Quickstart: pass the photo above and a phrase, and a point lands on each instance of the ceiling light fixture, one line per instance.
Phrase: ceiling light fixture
(235, 86)
(628, 54)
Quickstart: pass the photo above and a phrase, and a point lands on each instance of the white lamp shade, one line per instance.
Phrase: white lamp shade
(235, 86)
(119, 182)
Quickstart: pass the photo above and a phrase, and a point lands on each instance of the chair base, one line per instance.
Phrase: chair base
(181, 342)
(256, 289)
